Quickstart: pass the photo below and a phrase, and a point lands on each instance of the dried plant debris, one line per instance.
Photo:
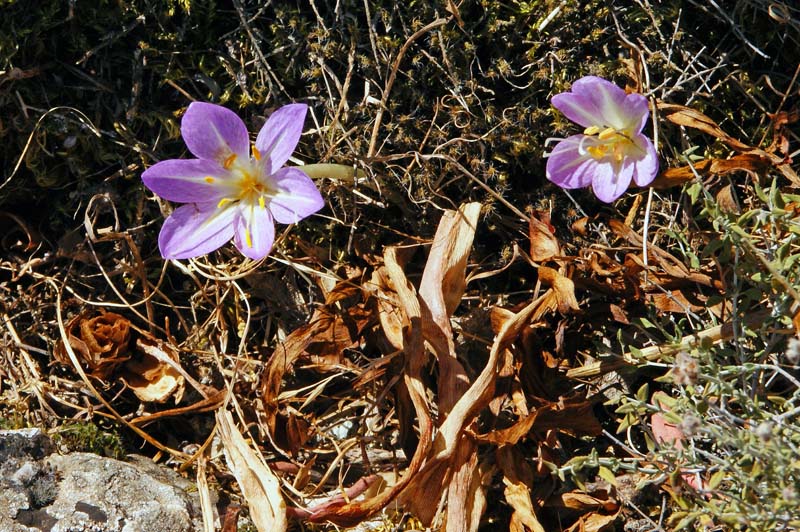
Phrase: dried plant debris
(101, 342)
(448, 339)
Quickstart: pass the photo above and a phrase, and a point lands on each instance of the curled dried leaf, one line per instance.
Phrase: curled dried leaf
(563, 289)
(259, 485)
(153, 376)
(101, 342)
(544, 245)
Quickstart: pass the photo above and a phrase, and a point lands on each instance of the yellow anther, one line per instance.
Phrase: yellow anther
(256, 153)
(247, 238)
(261, 202)
(209, 179)
(222, 202)
(607, 134)
(598, 152)
(591, 130)
(228, 162)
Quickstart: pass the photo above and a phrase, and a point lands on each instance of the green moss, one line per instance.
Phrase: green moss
(84, 436)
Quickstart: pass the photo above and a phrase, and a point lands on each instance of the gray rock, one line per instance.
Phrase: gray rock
(81, 492)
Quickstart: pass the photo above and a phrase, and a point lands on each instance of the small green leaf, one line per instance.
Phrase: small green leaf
(607, 475)
(716, 479)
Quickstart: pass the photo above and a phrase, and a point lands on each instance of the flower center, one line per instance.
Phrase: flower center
(612, 143)
(249, 187)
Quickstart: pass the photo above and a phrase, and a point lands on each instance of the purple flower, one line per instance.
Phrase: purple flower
(229, 192)
(612, 150)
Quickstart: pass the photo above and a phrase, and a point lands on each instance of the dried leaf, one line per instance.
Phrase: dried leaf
(780, 138)
(101, 343)
(727, 203)
(259, 485)
(595, 522)
(685, 116)
(413, 349)
(518, 479)
(569, 416)
(544, 245)
(207, 507)
(563, 289)
(319, 512)
(335, 326)
(153, 376)
(296, 432)
(618, 314)
(579, 226)
(675, 301)
(669, 433)
(576, 500)
(466, 500)
(756, 162)
(440, 291)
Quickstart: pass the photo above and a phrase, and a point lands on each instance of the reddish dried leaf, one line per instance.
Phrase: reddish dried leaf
(674, 177)
(685, 116)
(670, 434)
(230, 522)
(319, 513)
(755, 162)
(569, 416)
(666, 432)
(544, 245)
(298, 431)
(101, 343)
(618, 314)
(780, 139)
(579, 226)
(562, 287)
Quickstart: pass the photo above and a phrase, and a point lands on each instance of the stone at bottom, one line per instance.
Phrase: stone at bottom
(81, 492)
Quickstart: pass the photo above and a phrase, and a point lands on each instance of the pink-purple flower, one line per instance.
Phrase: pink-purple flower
(612, 151)
(231, 191)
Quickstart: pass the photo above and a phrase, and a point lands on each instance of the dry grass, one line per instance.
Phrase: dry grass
(520, 386)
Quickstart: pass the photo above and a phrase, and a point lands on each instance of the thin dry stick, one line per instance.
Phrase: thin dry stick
(480, 183)
(259, 53)
(29, 369)
(714, 334)
(393, 74)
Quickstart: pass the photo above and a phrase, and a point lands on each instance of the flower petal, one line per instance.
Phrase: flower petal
(597, 102)
(214, 132)
(195, 229)
(187, 180)
(638, 110)
(647, 165)
(280, 134)
(611, 181)
(254, 231)
(568, 166)
(297, 196)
